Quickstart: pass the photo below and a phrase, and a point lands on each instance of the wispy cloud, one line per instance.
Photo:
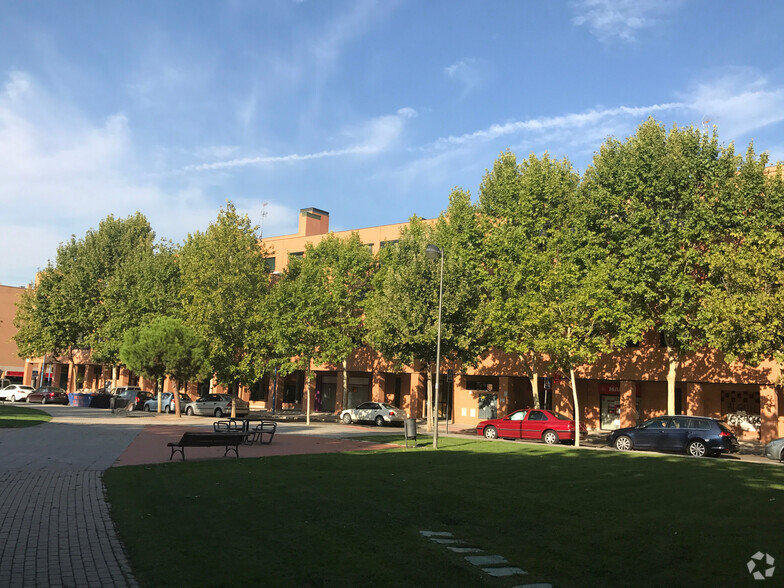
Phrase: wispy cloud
(374, 136)
(567, 121)
(469, 73)
(622, 19)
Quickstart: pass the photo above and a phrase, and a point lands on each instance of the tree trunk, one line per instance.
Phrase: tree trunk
(673, 362)
(345, 385)
(159, 389)
(177, 411)
(576, 409)
(307, 394)
(429, 403)
(534, 379)
(114, 377)
(234, 403)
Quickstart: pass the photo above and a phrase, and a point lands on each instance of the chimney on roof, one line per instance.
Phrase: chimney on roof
(313, 221)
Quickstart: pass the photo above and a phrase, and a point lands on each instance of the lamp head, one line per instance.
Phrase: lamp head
(432, 252)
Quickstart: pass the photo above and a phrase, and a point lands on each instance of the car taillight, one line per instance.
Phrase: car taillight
(391, 413)
(229, 404)
(726, 434)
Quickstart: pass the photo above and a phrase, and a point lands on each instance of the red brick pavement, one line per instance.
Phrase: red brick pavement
(150, 446)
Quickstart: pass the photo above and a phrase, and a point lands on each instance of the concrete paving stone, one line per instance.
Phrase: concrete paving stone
(447, 541)
(503, 572)
(465, 549)
(538, 585)
(436, 534)
(485, 560)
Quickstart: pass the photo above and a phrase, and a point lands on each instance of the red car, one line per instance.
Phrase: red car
(530, 423)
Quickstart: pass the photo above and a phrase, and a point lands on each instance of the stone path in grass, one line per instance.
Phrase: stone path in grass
(492, 565)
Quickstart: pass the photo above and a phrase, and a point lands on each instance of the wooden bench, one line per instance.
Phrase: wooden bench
(228, 439)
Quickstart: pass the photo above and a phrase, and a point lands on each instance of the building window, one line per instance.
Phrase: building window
(296, 254)
(270, 261)
(387, 243)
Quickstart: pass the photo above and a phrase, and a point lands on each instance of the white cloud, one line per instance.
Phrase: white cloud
(737, 101)
(622, 19)
(61, 173)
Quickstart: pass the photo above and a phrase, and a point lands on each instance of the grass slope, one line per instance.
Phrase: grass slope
(14, 417)
(569, 517)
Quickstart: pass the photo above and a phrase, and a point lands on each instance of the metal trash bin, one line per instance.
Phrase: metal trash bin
(410, 431)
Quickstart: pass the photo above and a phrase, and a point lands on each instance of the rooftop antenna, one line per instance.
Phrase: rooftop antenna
(263, 216)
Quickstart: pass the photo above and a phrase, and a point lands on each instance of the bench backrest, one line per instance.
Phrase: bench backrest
(193, 439)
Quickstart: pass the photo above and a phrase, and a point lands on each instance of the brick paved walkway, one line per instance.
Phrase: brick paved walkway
(55, 528)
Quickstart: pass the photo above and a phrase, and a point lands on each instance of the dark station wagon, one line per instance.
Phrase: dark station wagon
(697, 436)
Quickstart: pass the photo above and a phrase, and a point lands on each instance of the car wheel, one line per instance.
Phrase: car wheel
(189, 411)
(490, 433)
(11, 399)
(146, 408)
(550, 437)
(346, 419)
(166, 409)
(781, 456)
(218, 413)
(43, 400)
(379, 421)
(697, 449)
(623, 443)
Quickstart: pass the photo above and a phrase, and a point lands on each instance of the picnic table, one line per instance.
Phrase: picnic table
(255, 429)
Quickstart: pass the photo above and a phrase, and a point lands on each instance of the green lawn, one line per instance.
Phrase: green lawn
(568, 517)
(14, 417)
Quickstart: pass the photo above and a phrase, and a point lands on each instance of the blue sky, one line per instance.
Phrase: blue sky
(371, 110)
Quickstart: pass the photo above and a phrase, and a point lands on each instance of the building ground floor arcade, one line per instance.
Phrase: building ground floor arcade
(618, 391)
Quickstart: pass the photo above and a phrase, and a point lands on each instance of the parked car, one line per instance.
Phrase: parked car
(531, 423)
(697, 436)
(167, 402)
(48, 395)
(775, 450)
(129, 398)
(15, 392)
(216, 405)
(379, 413)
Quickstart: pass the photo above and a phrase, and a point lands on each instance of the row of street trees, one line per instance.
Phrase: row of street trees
(666, 230)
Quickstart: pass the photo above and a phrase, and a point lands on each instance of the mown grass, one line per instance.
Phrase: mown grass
(15, 417)
(568, 517)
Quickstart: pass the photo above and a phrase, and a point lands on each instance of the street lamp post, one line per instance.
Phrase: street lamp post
(433, 252)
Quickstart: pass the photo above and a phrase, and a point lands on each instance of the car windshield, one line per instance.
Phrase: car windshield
(561, 417)
(390, 407)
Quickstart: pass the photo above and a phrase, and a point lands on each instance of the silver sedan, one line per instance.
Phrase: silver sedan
(775, 450)
(216, 405)
(379, 413)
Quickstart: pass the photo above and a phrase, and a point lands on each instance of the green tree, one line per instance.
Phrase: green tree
(658, 201)
(521, 205)
(146, 285)
(743, 310)
(165, 346)
(224, 279)
(67, 305)
(402, 311)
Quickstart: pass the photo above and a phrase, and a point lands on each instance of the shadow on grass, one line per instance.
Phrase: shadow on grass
(569, 517)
